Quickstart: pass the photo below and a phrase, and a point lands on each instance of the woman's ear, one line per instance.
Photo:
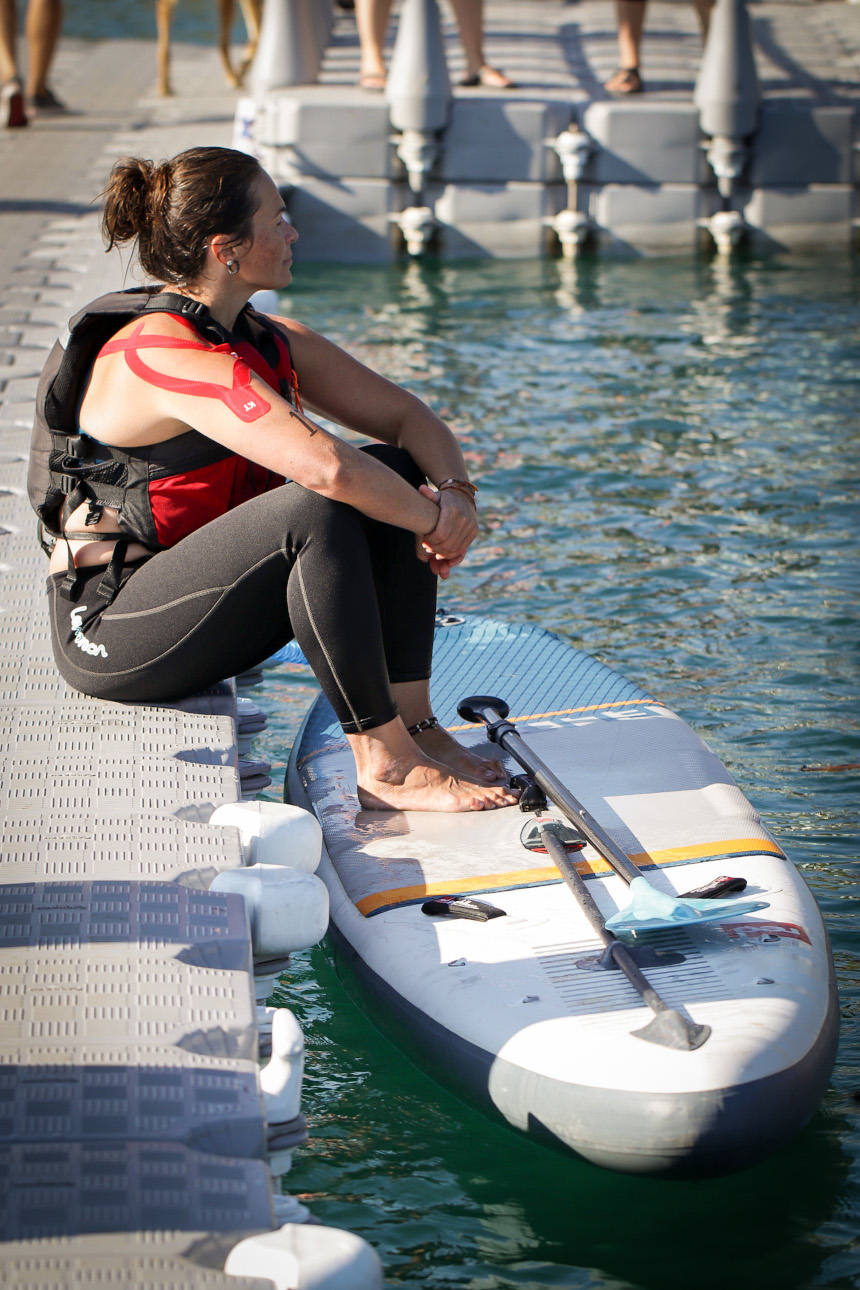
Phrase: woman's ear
(222, 248)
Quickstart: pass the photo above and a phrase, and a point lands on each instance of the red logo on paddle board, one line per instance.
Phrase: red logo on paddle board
(762, 930)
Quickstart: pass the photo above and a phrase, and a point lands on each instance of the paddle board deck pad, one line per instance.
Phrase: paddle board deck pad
(519, 1010)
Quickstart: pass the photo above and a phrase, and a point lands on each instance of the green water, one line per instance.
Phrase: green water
(193, 20)
(667, 455)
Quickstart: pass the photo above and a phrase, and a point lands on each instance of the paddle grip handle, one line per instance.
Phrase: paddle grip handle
(486, 708)
(492, 711)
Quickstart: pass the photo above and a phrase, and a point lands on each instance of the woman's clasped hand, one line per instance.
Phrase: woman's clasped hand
(456, 529)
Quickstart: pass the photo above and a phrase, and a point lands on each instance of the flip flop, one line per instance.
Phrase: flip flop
(373, 82)
(46, 103)
(625, 81)
(490, 77)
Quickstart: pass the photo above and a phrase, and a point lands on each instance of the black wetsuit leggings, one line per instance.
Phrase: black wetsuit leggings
(291, 563)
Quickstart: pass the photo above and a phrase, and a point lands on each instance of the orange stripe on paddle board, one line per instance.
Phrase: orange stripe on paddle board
(401, 895)
(566, 712)
(710, 851)
(529, 877)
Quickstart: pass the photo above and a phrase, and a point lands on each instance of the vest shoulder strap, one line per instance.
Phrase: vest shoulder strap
(74, 354)
(171, 302)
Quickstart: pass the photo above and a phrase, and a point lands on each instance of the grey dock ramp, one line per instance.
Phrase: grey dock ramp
(132, 1131)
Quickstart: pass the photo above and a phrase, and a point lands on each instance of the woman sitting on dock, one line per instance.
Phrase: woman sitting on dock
(182, 556)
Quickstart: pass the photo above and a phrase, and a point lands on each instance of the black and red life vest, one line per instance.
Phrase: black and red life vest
(162, 491)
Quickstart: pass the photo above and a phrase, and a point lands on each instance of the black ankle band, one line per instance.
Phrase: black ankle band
(429, 723)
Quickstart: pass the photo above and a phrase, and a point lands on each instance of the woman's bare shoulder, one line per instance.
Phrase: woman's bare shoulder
(157, 323)
(309, 347)
(292, 327)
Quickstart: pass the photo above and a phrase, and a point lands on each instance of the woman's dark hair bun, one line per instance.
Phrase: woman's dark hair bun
(126, 200)
(172, 209)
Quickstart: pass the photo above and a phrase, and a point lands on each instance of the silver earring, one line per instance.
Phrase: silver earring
(232, 266)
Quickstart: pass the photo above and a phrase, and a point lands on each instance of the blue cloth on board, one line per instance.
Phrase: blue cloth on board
(289, 653)
(650, 909)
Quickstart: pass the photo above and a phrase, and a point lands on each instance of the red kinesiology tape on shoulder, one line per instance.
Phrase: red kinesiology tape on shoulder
(241, 399)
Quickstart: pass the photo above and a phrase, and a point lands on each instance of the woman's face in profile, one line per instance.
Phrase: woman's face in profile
(266, 261)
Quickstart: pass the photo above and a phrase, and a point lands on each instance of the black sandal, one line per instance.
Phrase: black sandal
(625, 81)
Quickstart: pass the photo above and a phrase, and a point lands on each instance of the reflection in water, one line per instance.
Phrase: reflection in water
(419, 287)
(667, 455)
(724, 311)
(578, 280)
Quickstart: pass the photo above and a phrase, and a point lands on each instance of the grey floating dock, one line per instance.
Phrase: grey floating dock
(206, 929)
(133, 847)
(72, 1188)
(128, 994)
(201, 1105)
(135, 1143)
(139, 1260)
(645, 184)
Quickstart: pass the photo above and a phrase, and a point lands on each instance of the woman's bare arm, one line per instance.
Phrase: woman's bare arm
(339, 387)
(344, 390)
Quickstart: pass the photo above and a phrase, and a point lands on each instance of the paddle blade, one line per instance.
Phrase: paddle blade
(672, 1030)
(652, 910)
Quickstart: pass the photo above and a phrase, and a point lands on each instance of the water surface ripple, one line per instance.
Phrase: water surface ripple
(668, 457)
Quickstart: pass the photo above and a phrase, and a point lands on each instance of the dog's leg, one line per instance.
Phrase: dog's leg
(163, 15)
(252, 12)
(225, 26)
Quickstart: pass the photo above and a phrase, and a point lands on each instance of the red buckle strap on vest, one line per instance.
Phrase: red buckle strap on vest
(242, 400)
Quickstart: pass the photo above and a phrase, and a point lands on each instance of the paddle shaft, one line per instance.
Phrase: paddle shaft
(506, 735)
(620, 955)
(668, 1027)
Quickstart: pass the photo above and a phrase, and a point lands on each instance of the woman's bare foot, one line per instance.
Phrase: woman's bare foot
(436, 742)
(372, 81)
(428, 786)
(394, 774)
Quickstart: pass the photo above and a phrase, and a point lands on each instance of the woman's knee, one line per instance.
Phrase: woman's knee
(327, 524)
(398, 460)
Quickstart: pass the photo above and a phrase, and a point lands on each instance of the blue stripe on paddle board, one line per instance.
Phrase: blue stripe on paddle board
(527, 666)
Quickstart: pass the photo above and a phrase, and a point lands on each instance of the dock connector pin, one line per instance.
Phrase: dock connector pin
(572, 226)
(728, 229)
(573, 229)
(418, 225)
